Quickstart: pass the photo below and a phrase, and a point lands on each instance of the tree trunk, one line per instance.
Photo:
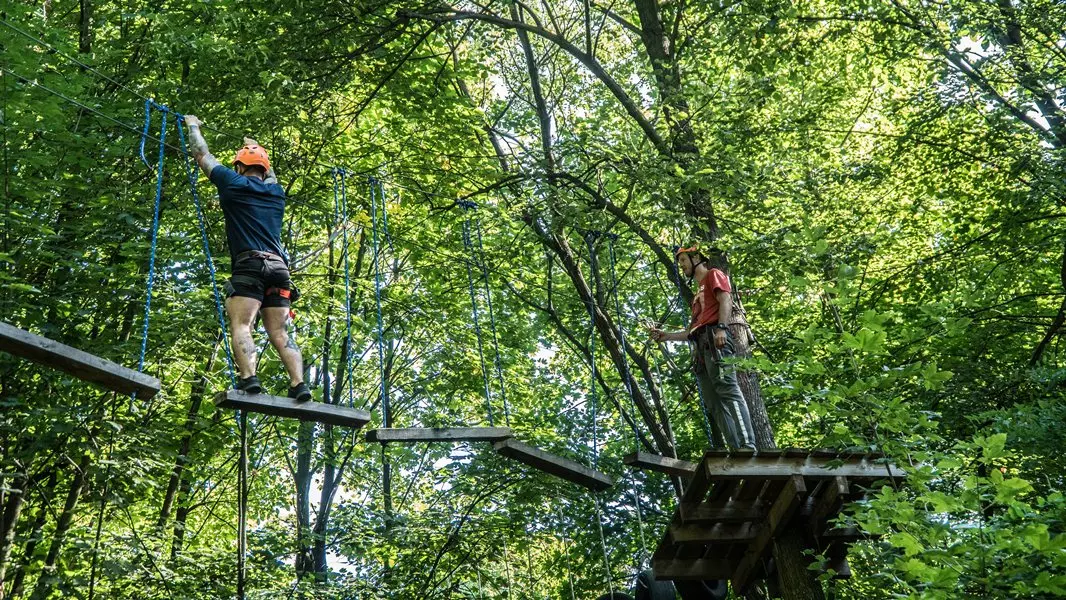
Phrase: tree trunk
(11, 511)
(85, 31)
(795, 580)
(36, 535)
(196, 397)
(43, 586)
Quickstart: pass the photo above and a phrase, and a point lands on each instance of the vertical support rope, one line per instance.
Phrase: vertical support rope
(467, 207)
(148, 105)
(190, 171)
(593, 396)
(590, 237)
(603, 545)
(492, 323)
(242, 507)
(375, 185)
(566, 551)
(343, 206)
(103, 504)
(622, 337)
(629, 388)
(640, 521)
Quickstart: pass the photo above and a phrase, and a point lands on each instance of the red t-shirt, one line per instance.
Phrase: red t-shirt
(705, 304)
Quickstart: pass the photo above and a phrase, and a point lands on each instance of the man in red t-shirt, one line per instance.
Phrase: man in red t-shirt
(712, 310)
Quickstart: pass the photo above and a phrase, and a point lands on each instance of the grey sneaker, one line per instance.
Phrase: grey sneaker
(300, 393)
(250, 385)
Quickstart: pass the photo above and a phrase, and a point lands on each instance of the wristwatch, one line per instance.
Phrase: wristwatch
(722, 326)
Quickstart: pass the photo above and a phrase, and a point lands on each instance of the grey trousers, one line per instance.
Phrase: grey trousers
(721, 393)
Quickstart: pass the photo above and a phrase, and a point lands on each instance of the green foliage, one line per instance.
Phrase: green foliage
(887, 177)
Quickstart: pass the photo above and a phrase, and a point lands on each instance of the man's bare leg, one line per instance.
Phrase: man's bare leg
(274, 320)
(241, 313)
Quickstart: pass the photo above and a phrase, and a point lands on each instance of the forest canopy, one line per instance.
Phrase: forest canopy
(503, 185)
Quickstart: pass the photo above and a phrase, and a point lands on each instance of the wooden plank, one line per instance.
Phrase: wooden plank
(827, 505)
(662, 464)
(728, 533)
(330, 414)
(554, 465)
(698, 485)
(438, 434)
(783, 467)
(666, 548)
(693, 569)
(78, 363)
(730, 513)
(780, 513)
(722, 491)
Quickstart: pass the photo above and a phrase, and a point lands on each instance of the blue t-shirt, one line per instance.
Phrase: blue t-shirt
(253, 211)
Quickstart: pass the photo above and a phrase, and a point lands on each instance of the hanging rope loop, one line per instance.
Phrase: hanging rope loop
(155, 227)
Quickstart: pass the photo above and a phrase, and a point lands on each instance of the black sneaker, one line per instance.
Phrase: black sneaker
(300, 393)
(250, 385)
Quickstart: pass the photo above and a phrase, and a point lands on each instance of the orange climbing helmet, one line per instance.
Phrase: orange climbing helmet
(253, 155)
(681, 250)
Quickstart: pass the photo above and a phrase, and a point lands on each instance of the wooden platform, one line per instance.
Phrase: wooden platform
(412, 435)
(78, 363)
(330, 414)
(662, 464)
(554, 465)
(737, 502)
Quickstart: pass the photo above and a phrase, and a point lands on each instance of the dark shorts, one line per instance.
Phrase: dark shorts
(262, 276)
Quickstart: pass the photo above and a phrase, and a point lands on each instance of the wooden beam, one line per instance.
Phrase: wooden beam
(662, 464)
(438, 434)
(692, 569)
(783, 467)
(780, 513)
(78, 363)
(728, 533)
(554, 465)
(330, 414)
(698, 486)
(827, 505)
(729, 513)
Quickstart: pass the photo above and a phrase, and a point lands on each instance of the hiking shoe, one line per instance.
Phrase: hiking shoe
(250, 385)
(300, 393)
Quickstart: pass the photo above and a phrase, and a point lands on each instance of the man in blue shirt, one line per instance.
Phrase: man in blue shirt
(253, 204)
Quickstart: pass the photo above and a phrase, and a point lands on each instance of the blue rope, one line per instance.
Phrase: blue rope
(467, 206)
(492, 323)
(190, 171)
(347, 280)
(375, 188)
(148, 105)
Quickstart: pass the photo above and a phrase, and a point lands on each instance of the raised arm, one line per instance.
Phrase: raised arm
(198, 146)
